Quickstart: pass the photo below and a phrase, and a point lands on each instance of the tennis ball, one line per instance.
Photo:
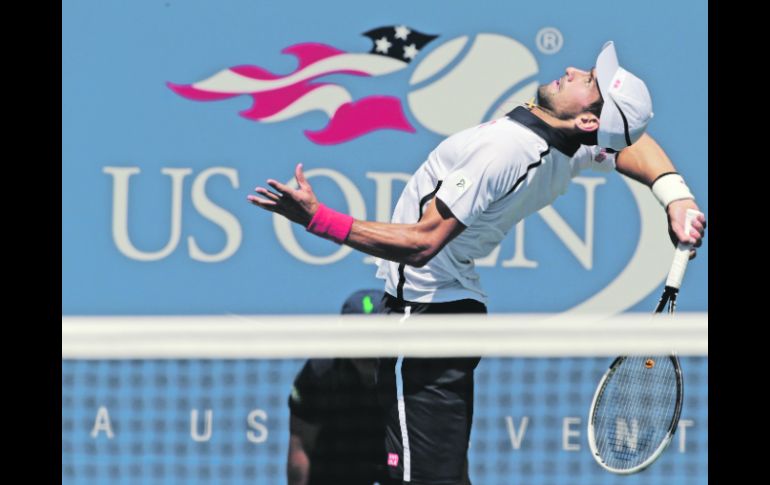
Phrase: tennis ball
(465, 81)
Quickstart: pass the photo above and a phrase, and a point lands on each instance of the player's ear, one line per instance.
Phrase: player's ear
(587, 122)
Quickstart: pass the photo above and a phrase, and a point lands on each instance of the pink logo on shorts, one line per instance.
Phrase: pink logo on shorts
(392, 459)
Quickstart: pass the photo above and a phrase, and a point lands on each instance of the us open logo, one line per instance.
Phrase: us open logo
(456, 84)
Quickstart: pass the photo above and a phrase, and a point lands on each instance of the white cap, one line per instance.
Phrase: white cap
(627, 104)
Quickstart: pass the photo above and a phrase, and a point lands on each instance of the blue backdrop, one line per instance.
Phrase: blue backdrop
(128, 138)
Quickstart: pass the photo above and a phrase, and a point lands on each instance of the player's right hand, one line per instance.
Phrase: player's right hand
(677, 213)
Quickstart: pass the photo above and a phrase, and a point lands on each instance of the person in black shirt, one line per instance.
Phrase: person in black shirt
(336, 425)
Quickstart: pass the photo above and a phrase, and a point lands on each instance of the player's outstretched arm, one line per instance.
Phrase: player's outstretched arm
(413, 244)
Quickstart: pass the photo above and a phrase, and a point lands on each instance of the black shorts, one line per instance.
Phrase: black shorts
(428, 406)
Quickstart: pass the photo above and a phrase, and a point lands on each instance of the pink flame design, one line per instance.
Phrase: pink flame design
(356, 119)
(349, 121)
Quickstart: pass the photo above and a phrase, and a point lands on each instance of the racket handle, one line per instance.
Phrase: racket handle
(681, 254)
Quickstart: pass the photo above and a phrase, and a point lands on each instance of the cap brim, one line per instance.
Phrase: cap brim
(606, 66)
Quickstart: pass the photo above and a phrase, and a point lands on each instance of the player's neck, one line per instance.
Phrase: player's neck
(544, 114)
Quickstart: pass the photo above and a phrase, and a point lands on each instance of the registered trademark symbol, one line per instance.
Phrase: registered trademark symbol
(549, 40)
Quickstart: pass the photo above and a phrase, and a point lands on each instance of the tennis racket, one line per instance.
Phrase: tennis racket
(636, 407)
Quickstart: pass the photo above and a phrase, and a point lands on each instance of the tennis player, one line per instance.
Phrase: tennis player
(458, 206)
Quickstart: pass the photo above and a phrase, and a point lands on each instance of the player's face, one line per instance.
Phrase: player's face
(571, 94)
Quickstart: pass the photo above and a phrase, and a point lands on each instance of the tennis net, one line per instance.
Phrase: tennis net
(199, 400)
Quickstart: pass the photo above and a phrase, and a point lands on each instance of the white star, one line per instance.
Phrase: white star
(382, 45)
(402, 32)
(410, 51)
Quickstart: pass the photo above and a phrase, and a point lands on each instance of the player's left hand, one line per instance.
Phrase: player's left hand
(298, 205)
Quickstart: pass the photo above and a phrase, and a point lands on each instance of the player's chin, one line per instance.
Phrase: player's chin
(693, 254)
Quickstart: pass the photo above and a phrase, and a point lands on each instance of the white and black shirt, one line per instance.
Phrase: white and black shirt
(490, 176)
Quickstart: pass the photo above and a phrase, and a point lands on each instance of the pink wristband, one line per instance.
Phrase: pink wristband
(330, 224)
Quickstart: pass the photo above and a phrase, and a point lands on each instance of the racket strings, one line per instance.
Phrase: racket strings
(635, 410)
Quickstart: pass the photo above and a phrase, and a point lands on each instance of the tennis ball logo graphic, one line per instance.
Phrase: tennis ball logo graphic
(467, 81)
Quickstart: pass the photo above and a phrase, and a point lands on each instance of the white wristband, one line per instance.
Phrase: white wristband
(670, 187)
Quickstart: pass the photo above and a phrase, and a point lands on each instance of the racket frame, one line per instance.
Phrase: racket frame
(669, 433)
